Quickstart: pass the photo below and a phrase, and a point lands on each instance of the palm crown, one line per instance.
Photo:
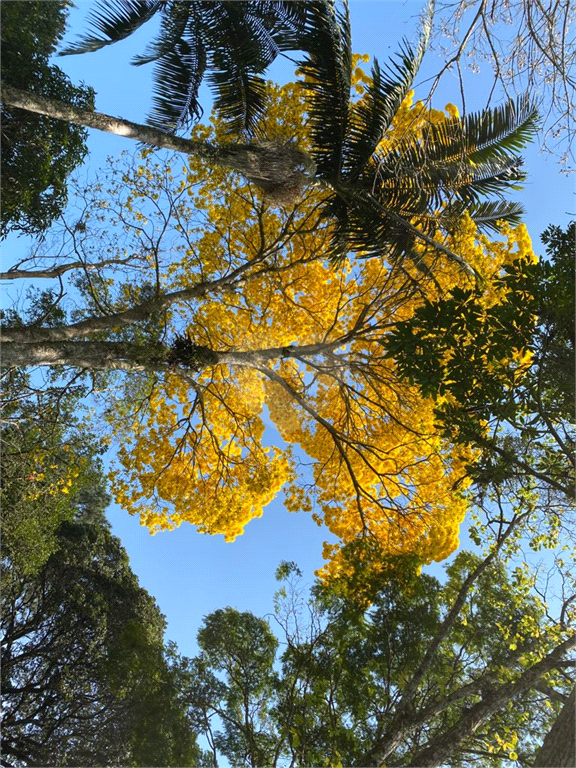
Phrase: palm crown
(377, 195)
(234, 42)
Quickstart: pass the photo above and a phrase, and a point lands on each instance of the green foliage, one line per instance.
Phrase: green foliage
(557, 313)
(434, 348)
(48, 464)
(234, 42)
(242, 648)
(38, 153)
(344, 668)
(86, 678)
(470, 359)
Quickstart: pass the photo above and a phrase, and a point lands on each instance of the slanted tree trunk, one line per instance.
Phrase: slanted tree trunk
(280, 170)
(559, 748)
(91, 355)
(40, 350)
(441, 747)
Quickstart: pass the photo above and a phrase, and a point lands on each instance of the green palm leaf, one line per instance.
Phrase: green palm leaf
(486, 215)
(114, 20)
(181, 63)
(362, 225)
(327, 70)
(372, 116)
(487, 136)
(236, 40)
(500, 131)
(240, 49)
(407, 172)
(494, 177)
(455, 160)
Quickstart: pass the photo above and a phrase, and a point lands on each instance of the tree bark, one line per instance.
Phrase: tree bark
(120, 355)
(267, 164)
(559, 747)
(92, 355)
(440, 748)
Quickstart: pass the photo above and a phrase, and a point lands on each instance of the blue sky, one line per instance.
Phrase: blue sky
(189, 574)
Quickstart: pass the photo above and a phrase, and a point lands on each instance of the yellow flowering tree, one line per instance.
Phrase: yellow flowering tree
(244, 349)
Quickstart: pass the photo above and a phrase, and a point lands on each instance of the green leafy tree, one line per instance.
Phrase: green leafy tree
(520, 417)
(86, 677)
(49, 458)
(234, 679)
(467, 672)
(38, 153)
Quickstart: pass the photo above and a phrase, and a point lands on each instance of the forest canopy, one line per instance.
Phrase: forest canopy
(222, 308)
(323, 298)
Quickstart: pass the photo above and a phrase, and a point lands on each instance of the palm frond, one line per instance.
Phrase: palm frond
(175, 18)
(240, 49)
(240, 97)
(114, 20)
(486, 215)
(498, 132)
(327, 71)
(285, 21)
(237, 39)
(181, 62)
(177, 80)
(372, 116)
(481, 136)
(495, 177)
(406, 172)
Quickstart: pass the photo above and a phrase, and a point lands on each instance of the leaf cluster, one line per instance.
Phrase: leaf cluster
(38, 153)
(233, 42)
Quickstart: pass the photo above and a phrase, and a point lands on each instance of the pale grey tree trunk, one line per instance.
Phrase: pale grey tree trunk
(559, 748)
(273, 166)
(91, 355)
(40, 350)
(439, 749)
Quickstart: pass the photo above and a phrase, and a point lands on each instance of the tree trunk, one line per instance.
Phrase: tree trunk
(92, 355)
(559, 748)
(273, 166)
(37, 350)
(441, 747)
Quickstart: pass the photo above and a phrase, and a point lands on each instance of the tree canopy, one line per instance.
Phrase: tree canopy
(520, 420)
(38, 153)
(86, 677)
(469, 672)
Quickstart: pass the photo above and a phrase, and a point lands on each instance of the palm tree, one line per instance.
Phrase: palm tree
(234, 41)
(376, 195)
(381, 202)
